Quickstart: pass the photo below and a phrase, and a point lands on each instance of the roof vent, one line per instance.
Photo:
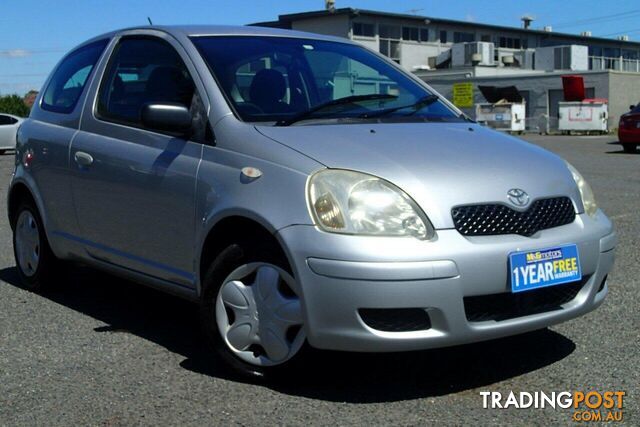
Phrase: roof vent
(624, 38)
(330, 5)
(526, 21)
(586, 34)
(548, 29)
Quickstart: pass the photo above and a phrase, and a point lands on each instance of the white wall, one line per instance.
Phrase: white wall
(330, 25)
(579, 57)
(416, 54)
(371, 43)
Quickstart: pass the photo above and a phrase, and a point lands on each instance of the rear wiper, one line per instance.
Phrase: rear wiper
(340, 101)
(417, 106)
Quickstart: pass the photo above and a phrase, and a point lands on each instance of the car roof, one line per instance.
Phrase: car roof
(223, 30)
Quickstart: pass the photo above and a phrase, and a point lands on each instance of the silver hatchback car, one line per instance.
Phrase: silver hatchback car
(302, 189)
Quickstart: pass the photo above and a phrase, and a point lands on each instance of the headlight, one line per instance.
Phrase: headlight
(355, 203)
(588, 199)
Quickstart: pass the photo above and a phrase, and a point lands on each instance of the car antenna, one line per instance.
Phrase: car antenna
(149, 19)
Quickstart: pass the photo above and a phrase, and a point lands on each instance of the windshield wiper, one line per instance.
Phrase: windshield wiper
(417, 106)
(340, 101)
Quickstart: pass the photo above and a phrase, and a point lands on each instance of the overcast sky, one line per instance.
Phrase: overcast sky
(35, 34)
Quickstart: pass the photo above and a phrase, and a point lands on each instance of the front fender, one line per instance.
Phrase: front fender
(275, 200)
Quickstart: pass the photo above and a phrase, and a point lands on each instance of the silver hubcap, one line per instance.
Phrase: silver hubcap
(27, 243)
(259, 314)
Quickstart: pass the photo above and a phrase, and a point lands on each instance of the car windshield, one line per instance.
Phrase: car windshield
(290, 80)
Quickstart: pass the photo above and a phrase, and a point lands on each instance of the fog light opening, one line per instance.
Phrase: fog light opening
(602, 284)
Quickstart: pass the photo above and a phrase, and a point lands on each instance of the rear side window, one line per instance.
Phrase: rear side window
(70, 78)
(143, 70)
(7, 120)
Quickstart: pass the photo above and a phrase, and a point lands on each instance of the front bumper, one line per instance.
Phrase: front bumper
(341, 274)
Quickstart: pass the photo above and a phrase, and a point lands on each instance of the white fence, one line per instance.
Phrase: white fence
(598, 63)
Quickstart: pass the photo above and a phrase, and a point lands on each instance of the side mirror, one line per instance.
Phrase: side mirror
(169, 117)
(631, 107)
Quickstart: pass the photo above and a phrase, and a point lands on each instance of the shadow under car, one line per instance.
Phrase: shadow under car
(170, 322)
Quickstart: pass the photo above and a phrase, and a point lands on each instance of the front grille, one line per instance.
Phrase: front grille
(494, 219)
(509, 305)
(396, 319)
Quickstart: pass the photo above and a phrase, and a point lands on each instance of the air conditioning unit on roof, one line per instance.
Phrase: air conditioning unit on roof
(474, 53)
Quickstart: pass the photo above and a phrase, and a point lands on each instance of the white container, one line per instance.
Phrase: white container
(505, 116)
(583, 116)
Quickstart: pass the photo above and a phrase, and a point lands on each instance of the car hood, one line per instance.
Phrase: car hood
(440, 165)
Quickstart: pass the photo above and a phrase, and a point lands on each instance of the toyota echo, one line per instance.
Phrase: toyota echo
(304, 190)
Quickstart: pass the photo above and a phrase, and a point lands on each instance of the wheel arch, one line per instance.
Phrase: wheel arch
(18, 192)
(232, 228)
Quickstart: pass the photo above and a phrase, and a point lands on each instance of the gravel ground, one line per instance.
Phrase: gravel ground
(102, 351)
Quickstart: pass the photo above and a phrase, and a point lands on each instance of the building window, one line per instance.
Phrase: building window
(443, 36)
(512, 43)
(611, 52)
(390, 41)
(415, 34)
(595, 51)
(485, 38)
(459, 37)
(390, 48)
(424, 35)
(410, 33)
(390, 32)
(364, 30)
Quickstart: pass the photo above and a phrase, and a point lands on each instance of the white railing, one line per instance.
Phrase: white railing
(616, 63)
(632, 65)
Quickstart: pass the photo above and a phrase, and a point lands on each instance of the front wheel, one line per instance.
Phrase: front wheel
(252, 311)
(36, 263)
(629, 148)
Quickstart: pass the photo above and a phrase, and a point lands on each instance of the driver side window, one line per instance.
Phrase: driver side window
(143, 70)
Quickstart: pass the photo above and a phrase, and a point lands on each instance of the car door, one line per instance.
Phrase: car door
(134, 188)
(52, 124)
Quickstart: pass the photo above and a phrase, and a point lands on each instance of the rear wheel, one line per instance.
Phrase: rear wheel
(251, 310)
(629, 148)
(35, 261)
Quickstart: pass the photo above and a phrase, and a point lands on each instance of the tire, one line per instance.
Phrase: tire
(629, 148)
(36, 264)
(241, 296)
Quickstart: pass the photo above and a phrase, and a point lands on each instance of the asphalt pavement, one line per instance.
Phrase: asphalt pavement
(103, 351)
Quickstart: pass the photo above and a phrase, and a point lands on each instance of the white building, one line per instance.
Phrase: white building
(424, 42)
(444, 52)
